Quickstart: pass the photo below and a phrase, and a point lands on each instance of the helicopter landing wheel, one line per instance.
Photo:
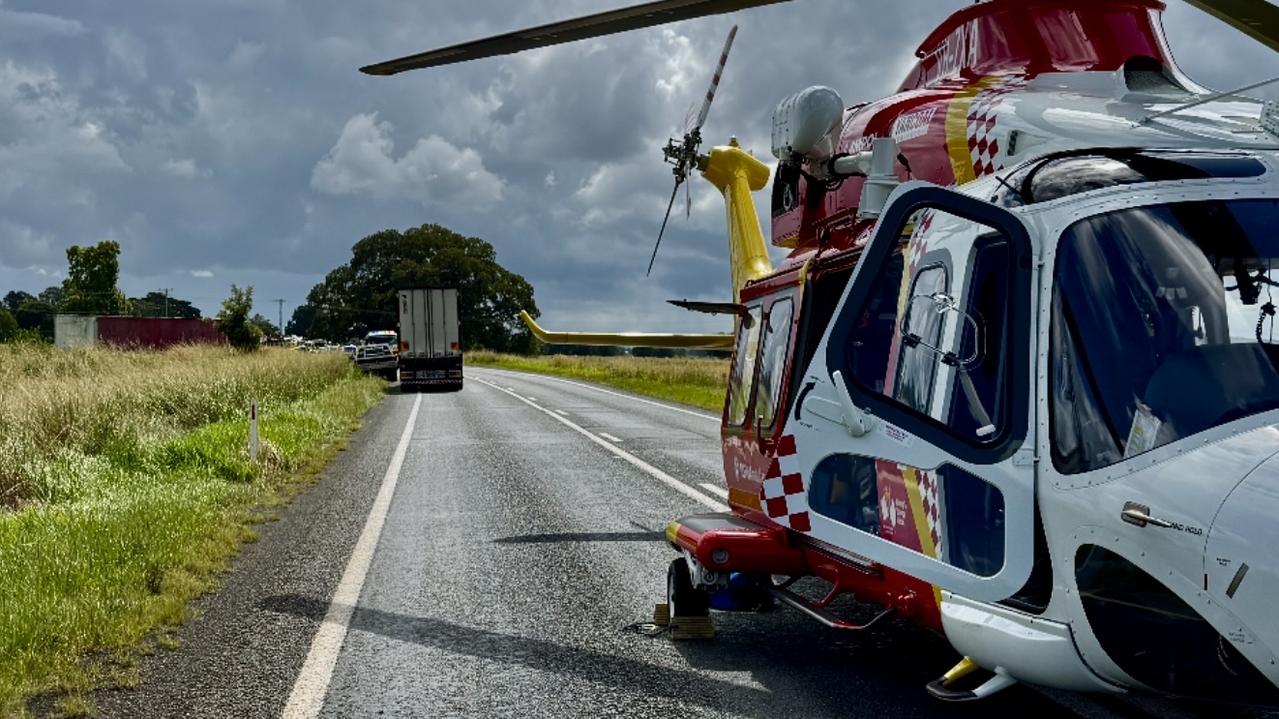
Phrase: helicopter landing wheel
(682, 597)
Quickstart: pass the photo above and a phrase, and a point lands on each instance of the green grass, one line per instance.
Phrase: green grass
(131, 508)
(696, 381)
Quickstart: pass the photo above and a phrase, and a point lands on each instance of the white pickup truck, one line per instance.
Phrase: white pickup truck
(379, 354)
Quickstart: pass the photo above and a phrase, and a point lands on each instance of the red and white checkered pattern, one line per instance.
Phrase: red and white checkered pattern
(784, 495)
(983, 119)
(930, 496)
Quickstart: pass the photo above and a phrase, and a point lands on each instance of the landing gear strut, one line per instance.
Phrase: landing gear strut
(687, 609)
(682, 598)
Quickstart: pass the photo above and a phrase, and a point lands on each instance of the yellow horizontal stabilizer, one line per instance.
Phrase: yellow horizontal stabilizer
(629, 339)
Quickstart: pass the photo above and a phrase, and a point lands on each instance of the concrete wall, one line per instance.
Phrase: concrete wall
(74, 330)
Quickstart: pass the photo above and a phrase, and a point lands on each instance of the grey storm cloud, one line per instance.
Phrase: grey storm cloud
(226, 141)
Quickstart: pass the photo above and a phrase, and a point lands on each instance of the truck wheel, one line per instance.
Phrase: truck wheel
(682, 597)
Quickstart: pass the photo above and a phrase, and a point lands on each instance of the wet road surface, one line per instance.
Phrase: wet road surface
(518, 549)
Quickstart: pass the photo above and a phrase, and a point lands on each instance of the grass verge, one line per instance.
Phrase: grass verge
(117, 522)
(696, 381)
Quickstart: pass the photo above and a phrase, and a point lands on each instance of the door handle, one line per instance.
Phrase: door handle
(1139, 515)
(856, 420)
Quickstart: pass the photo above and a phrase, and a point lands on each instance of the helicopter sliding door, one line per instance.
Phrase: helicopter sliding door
(911, 437)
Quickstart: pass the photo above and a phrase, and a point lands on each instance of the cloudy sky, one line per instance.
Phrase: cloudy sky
(233, 141)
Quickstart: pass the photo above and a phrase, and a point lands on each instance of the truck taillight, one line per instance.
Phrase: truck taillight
(453, 345)
(404, 346)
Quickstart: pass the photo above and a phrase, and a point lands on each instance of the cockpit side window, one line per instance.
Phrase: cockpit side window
(1163, 326)
(743, 376)
(772, 360)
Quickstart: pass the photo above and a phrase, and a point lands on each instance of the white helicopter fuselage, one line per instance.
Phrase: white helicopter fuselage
(1193, 514)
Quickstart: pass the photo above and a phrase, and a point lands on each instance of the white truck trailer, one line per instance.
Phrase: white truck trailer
(430, 339)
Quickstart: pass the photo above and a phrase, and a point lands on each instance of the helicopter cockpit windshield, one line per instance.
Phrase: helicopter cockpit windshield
(1163, 326)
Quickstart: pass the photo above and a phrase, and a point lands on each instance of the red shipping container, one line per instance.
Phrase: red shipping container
(156, 332)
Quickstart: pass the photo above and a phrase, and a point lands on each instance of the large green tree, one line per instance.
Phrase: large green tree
(36, 315)
(52, 296)
(265, 326)
(233, 321)
(300, 323)
(360, 296)
(16, 298)
(92, 274)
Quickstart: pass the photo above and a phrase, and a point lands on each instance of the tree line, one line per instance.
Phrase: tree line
(353, 299)
(90, 288)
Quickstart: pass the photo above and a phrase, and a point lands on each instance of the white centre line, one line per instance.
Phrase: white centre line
(610, 437)
(715, 489)
(312, 684)
(643, 466)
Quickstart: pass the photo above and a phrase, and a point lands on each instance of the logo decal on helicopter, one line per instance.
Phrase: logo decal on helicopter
(913, 124)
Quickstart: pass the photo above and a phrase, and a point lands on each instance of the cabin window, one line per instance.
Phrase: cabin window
(960, 520)
(744, 366)
(917, 365)
(977, 395)
(934, 332)
(845, 488)
(772, 361)
(872, 337)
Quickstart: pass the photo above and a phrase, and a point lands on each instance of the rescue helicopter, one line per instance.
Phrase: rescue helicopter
(1017, 379)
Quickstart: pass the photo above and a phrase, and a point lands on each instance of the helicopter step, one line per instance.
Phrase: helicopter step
(817, 610)
(944, 688)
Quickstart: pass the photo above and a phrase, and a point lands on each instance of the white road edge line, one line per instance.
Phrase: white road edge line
(643, 466)
(606, 391)
(610, 437)
(714, 489)
(312, 685)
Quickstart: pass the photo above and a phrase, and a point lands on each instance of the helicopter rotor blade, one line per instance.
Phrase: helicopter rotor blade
(1256, 18)
(661, 232)
(688, 200)
(609, 22)
(719, 72)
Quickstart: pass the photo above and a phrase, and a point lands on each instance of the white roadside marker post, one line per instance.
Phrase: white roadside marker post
(253, 431)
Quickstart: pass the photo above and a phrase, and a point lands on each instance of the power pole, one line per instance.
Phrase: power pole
(166, 291)
(280, 302)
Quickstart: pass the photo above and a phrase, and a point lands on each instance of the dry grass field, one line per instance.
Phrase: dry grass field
(125, 486)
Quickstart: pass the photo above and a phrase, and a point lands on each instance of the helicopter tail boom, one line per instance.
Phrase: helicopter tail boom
(629, 339)
(736, 174)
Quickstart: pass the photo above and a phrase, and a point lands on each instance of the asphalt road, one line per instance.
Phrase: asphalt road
(520, 545)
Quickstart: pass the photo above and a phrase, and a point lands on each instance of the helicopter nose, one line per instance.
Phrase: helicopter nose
(1241, 568)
